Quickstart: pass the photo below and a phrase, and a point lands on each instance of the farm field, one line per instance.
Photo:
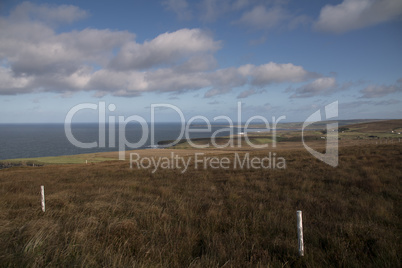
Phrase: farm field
(106, 214)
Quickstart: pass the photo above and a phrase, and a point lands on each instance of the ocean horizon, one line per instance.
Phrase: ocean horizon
(28, 140)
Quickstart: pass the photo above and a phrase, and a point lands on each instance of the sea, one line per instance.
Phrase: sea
(40, 140)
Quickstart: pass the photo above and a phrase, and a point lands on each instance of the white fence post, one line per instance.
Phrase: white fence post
(42, 191)
(300, 232)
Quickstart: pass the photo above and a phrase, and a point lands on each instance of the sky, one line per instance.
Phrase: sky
(207, 58)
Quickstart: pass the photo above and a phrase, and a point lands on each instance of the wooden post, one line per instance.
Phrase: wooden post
(42, 191)
(300, 232)
(86, 162)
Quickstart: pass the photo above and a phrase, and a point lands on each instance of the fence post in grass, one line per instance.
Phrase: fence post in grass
(86, 162)
(300, 232)
(42, 192)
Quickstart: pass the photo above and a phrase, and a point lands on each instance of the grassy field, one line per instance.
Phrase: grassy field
(380, 130)
(106, 214)
(65, 159)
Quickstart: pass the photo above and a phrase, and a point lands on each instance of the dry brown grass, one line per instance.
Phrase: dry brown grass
(105, 214)
(378, 126)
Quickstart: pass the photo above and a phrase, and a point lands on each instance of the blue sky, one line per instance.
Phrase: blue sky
(276, 57)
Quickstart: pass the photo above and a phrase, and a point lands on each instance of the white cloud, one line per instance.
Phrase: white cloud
(60, 83)
(167, 80)
(355, 14)
(220, 81)
(255, 14)
(377, 91)
(10, 84)
(216, 91)
(47, 13)
(249, 92)
(223, 81)
(323, 85)
(180, 7)
(260, 17)
(239, 4)
(123, 83)
(211, 9)
(278, 73)
(33, 57)
(197, 63)
(261, 75)
(63, 53)
(164, 49)
(205, 10)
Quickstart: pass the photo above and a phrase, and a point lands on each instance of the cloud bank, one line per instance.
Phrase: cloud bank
(377, 91)
(355, 14)
(320, 86)
(36, 58)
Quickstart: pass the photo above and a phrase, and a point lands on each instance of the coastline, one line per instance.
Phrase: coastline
(285, 139)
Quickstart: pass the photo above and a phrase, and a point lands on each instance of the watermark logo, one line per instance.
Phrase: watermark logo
(148, 129)
(203, 161)
(117, 126)
(330, 156)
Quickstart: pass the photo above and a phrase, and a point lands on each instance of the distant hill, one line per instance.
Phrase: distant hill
(322, 124)
(354, 123)
(378, 126)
